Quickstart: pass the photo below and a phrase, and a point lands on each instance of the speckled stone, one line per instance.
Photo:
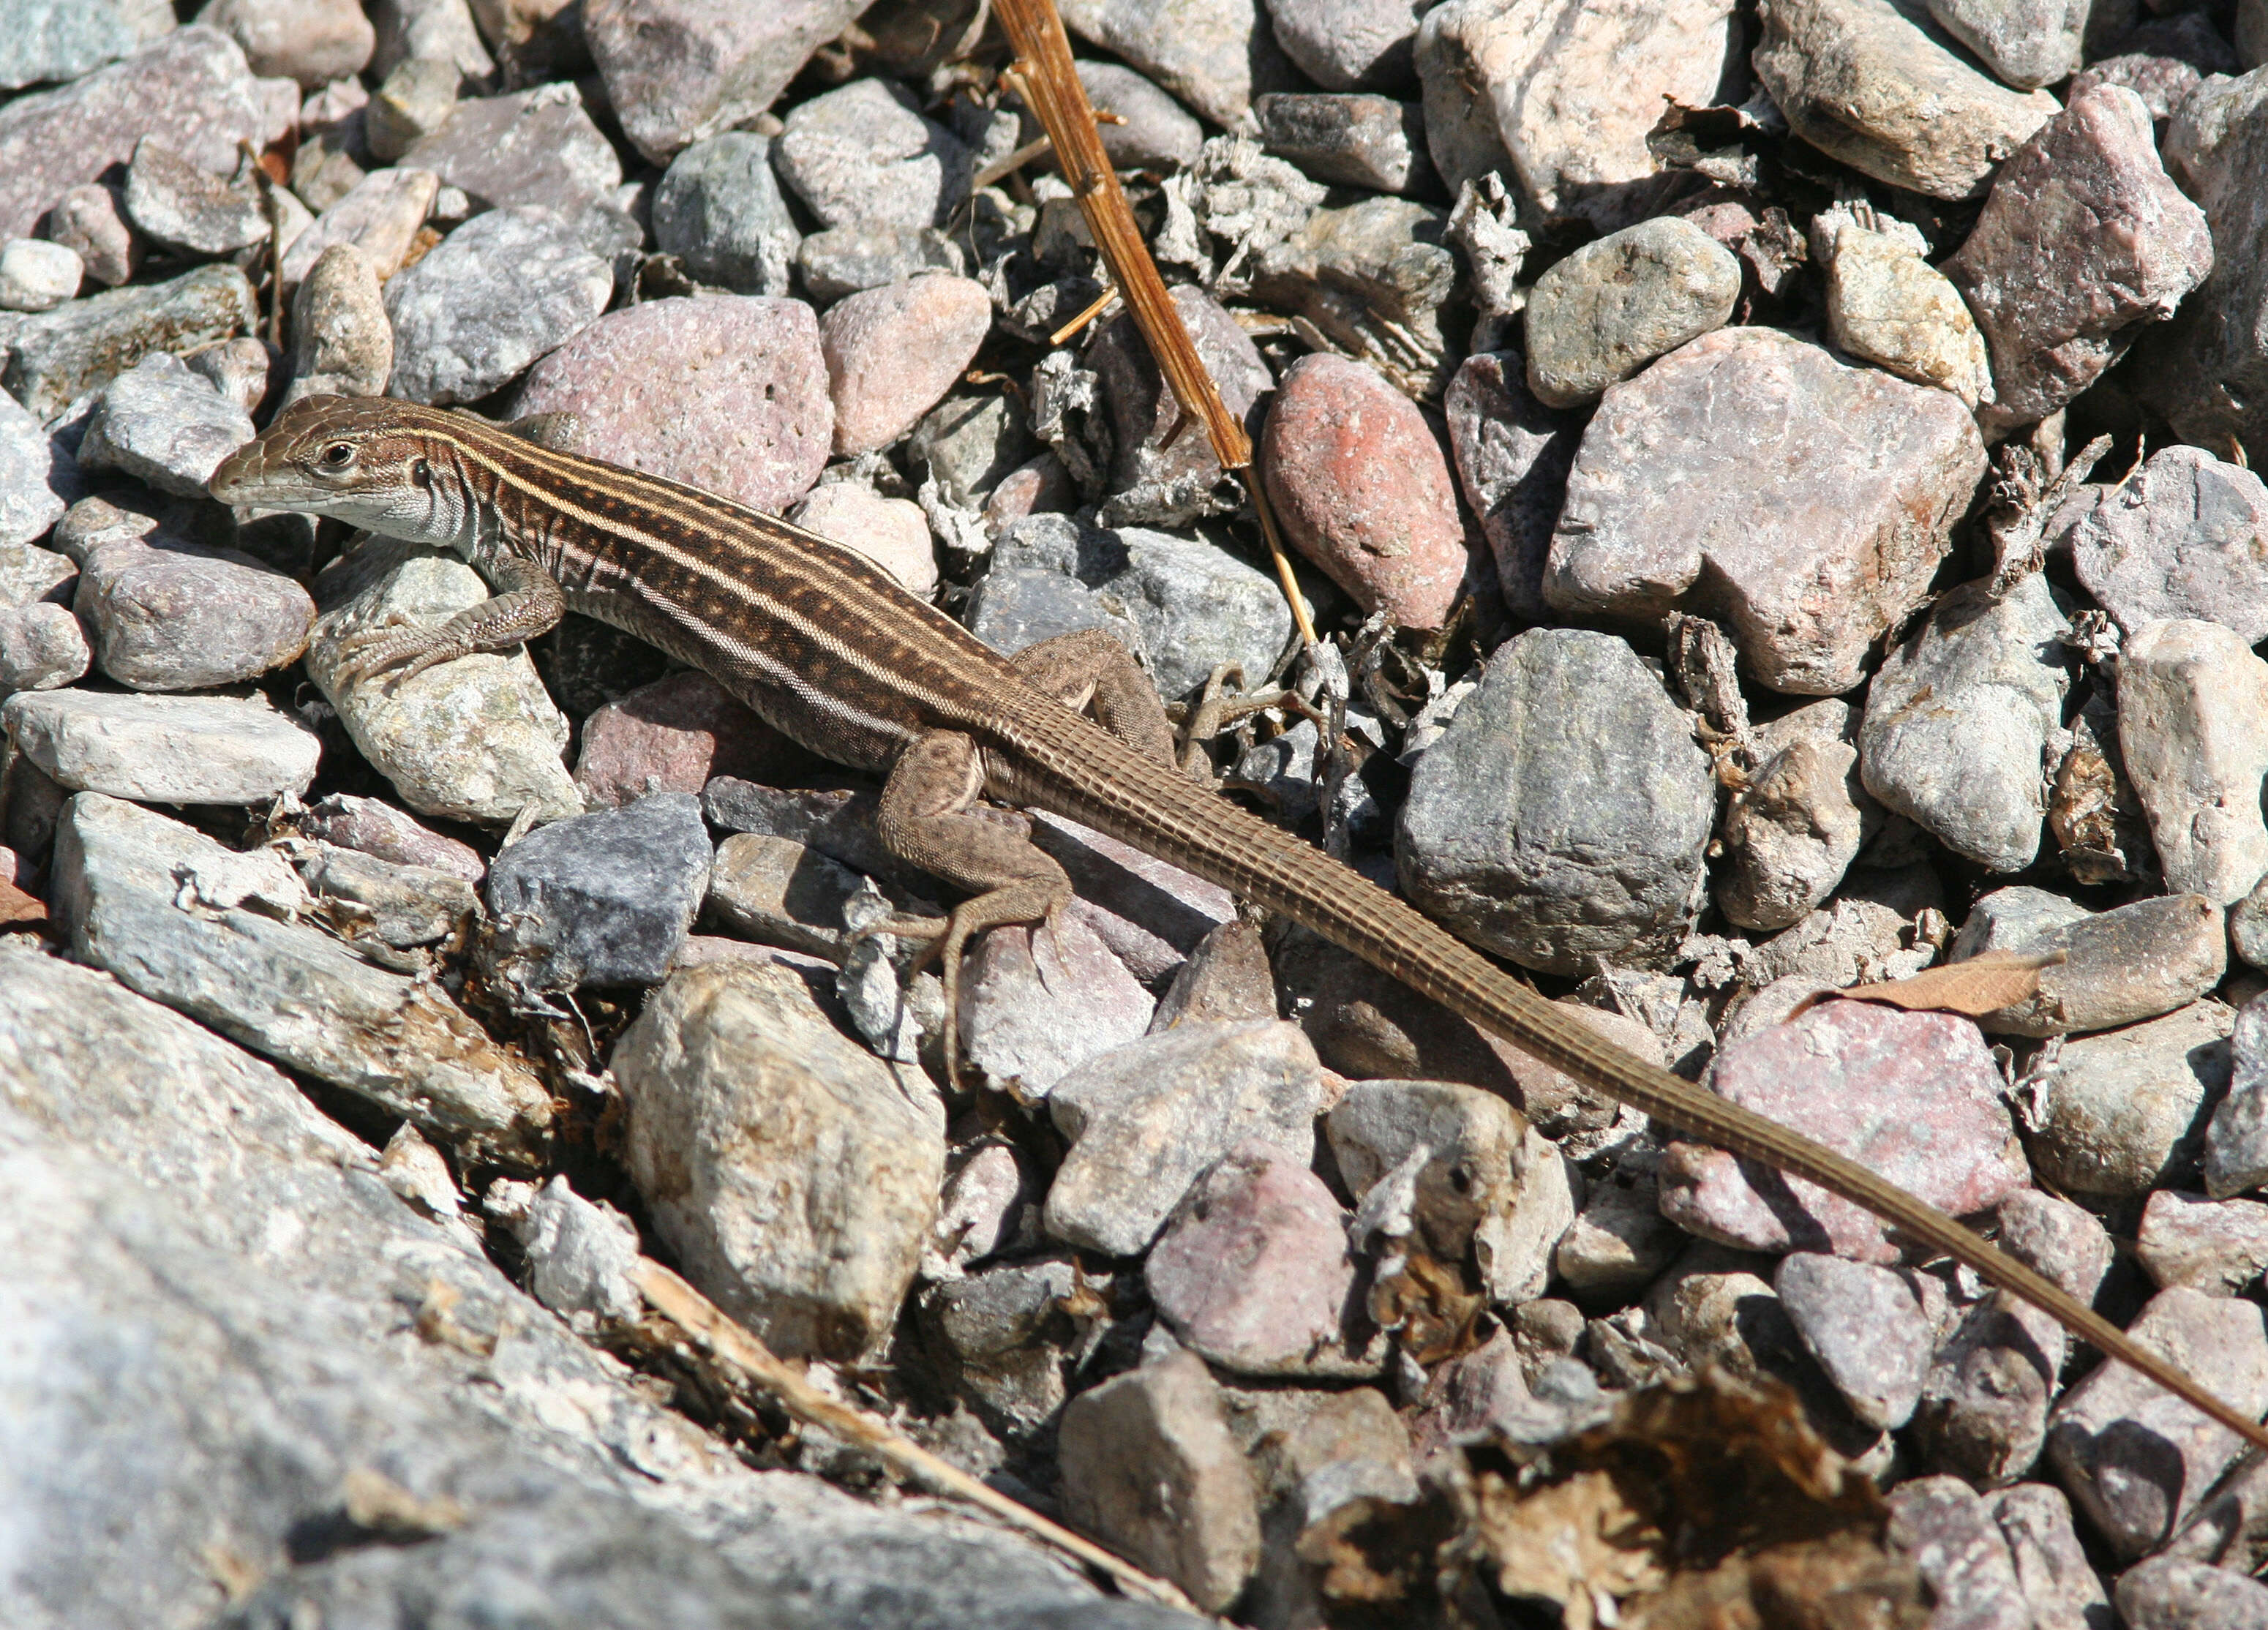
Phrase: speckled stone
(863, 155)
(535, 147)
(500, 292)
(1600, 314)
(313, 42)
(2125, 1111)
(1513, 457)
(680, 71)
(892, 533)
(2193, 730)
(1215, 56)
(892, 353)
(2184, 536)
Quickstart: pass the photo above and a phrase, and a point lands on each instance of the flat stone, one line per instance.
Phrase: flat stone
(380, 217)
(533, 148)
(1157, 132)
(671, 736)
(1959, 715)
(844, 260)
(810, 1235)
(59, 356)
(1562, 816)
(2125, 1111)
(385, 833)
(892, 354)
(863, 155)
(31, 501)
(2058, 304)
(1603, 313)
(2193, 731)
(1947, 1528)
(1912, 1096)
(678, 72)
(1752, 478)
(774, 890)
(36, 275)
(164, 425)
(1512, 456)
(1864, 1325)
(402, 906)
(1874, 84)
(724, 393)
(163, 749)
(1215, 56)
(177, 203)
(1145, 1119)
(189, 619)
(1154, 453)
(2185, 537)
(1888, 305)
(2165, 1593)
(1359, 140)
(1036, 1004)
(2216, 1246)
(500, 292)
(1149, 912)
(600, 899)
(718, 209)
(61, 40)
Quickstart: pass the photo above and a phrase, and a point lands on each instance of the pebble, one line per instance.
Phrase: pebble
(985, 1207)
(164, 425)
(1226, 978)
(844, 260)
(2215, 1246)
(1866, 82)
(243, 370)
(1959, 715)
(1214, 55)
(1155, 452)
(1911, 1096)
(1363, 492)
(2185, 537)
(1372, 279)
(1865, 1328)
(1253, 1273)
(59, 356)
(892, 533)
(30, 503)
(863, 155)
(385, 833)
(403, 905)
(718, 209)
(1563, 815)
(1468, 1171)
(671, 736)
(2236, 1140)
(968, 445)
(1948, 1529)
(1598, 316)
(892, 353)
(725, 393)
(2125, 1111)
(1037, 1004)
(1983, 1409)
(810, 1233)
(342, 341)
(163, 749)
(1149, 1467)
(2166, 1594)
(414, 101)
(1791, 834)
(2193, 731)
(2163, 83)
(2059, 1581)
(1002, 1333)
(1150, 913)
(179, 205)
(380, 217)
(2027, 46)
(774, 890)
(1146, 1117)
(41, 647)
(2056, 304)
(581, 1254)
(2133, 1456)
(676, 73)
(1811, 501)
(500, 292)
(1888, 305)
(1158, 133)
(1373, 141)
(89, 220)
(2119, 966)
(185, 618)
(29, 573)
(312, 41)
(600, 899)
(1512, 456)
(1349, 45)
(36, 275)
(475, 740)
(535, 148)
(1041, 487)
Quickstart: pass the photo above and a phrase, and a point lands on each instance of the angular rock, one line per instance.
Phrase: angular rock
(1620, 1241)
(1372, 278)
(718, 209)
(189, 619)
(1154, 453)
(58, 357)
(164, 425)
(1513, 457)
(32, 480)
(2193, 731)
(863, 155)
(970, 445)
(533, 148)
(774, 890)
(402, 905)
(380, 217)
(2166, 1594)
(179, 204)
(1753, 478)
(1214, 57)
(1373, 141)
(1888, 305)
(2059, 1581)
(381, 830)
(844, 260)
(678, 73)
(2237, 1141)
(2119, 966)
(89, 220)
(2186, 536)
(1149, 912)
(1865, 1328)
(313, 42)
(2125, 1111)
(2215, 1246)
(893, 353)
(163, 749)
(671, 736)
(41, 647)
(36, 275)
(1791, 833)
(417, 98)
(500, 292)
(1983, 1409)
(2027, 45)
(341, 342)
(602, 899)
(62, 39)
(1948, 1529)
(1603, 313)
(1349, 45)
(1157, 133)
(1035, 1004)
(1007, 1336)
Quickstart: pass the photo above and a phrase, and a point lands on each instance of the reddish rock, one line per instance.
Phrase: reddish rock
(1043, 486)
(726, 392)
(671, 736)
(1911, 1096)
(389, 834)
(1362, 490)
(892, 352)
(893, 533)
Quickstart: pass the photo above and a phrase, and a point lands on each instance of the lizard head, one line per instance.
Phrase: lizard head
(358, 458)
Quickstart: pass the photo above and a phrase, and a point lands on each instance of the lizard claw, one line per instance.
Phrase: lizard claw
(410, 649)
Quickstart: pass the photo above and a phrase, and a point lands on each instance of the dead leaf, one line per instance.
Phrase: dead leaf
(1984, 983)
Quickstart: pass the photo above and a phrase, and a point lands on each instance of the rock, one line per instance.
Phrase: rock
(2119, 966)
(312, 41)
(893, 353)
(500, 292)
(1566, 111)
(36, 275)
(1252, 1272)
(1551, 877)
(758, 427)
(1513, 457)
(1702, 485)
(2059, 1581)
(2125, 1111)
(1888, 305)
(1150, 913)
(678, 73)
(1872, 82)
(535, 148)
(2163, 83)
(2058, 306)
(380, 217)
(671, 736)
(59, 356)
(89, 220)
(968, 445)
(2193, 730)
(2133, 1456)
(473, 740)
(1603, 313)
(32, 498)
(1036, 1004)
(2165, 1593)
(985, 1207)
(1214, 57)
(1910, 1093)
(1791, 833)
(1620, 1241)
(602, 899)
(2236, 1140)
(1155, 454)
(774, 890)
(718, 209)
(1150, 1468)
(1156, 134)
(1363, 490)
(1959, 715)
(1371, 142)
(1007, 1337)
(341, 342)
(189, 91)
(1372, 279)
(2182, 537)
(1477, 1176)
(163, 749)
(1948, 1529)
(863, 155)
(1865, 1328)
(581, 1255)
(41, 647)
(177, 203)
(62, 41)
(1145, 1119)
(2215, 1246)
(334, 153)
(890, 532)
(1983, 1409)
(844, 260)
(402, 906)
(164, 425)
(1226, 978)
(386, 833)
(126, 882)
(2028, 46)
(415, 101)
(185, 618)
(245, 369)
(1349, 45)
(810, 1235)
(29, 574)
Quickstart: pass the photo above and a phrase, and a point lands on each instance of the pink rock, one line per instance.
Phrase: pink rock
(1253, 1271)
(671, 736)
(1036, 1002)
(892, 533)
(678, 70)
(727, 393)
(1363, 490)
(1041, 486)
(892, 352)
(1911, 1096)
(389, 834)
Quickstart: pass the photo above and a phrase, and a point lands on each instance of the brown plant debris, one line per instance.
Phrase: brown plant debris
(1984, 983)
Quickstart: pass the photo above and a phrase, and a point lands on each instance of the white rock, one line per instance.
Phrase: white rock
(2193, 725)
(164, 749)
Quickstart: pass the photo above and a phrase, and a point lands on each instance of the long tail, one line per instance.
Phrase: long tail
(1146, 804)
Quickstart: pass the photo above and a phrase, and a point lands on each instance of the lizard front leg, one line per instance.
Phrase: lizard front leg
(928, 817)
(528, 603)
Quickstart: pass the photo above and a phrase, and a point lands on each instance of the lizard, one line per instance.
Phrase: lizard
(828, 649)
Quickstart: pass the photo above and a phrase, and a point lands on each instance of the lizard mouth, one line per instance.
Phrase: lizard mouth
(239, 472)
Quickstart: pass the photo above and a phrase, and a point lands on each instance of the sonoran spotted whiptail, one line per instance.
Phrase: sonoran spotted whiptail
(831, 651)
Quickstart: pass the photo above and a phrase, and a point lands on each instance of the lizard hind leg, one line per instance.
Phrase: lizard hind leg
(930, 818)
(1088, 669)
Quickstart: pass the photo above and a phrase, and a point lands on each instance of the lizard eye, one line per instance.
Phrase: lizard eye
(337, 456)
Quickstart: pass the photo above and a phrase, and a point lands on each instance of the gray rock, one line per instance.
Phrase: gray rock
(29, 574)
(774, 890)
(163, 749)
(1144, 1119)
(402, 905)
(243, 370)
(1214, 55)
(1791, 833)
(533, 148)
(1149, 912)
(313, 42)
(2119, 966)
(58, 357)
(2215, 1246)
(1948, 1529)
(985, 1207)
(1006, 1338)
(185, 618)
(1865, 1328)
(2193, 732)
(1983, 1409)
(1612, 306)
(2165, 1593)
(1372, 278)
(2124, 1113)
(600, 899)
(1888, 305)
(380, 217)
(1513, 457)
(718, 209)
(41, 647)
(2183, 537)
(501, 291)
(2063, 1240)
(1620, 1241)
(1035, 1004)
(341, 342)
(1373, 141)
(678, 73)
(418, 97)
(32, 469)
(1349, 45)
(970, 445)
(1175, 471)
(1158, 134)
(36, 275)
(333, 157)
(177, 203)
(2062, 1586)
(59, 40)
(844, 260)
(580, 1254)
(89, 220)
(811, 1234)
(164, 425)
(2028, 45)
(1563, 815)
(863, 155)
(2236, 1140)
(382, 831)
